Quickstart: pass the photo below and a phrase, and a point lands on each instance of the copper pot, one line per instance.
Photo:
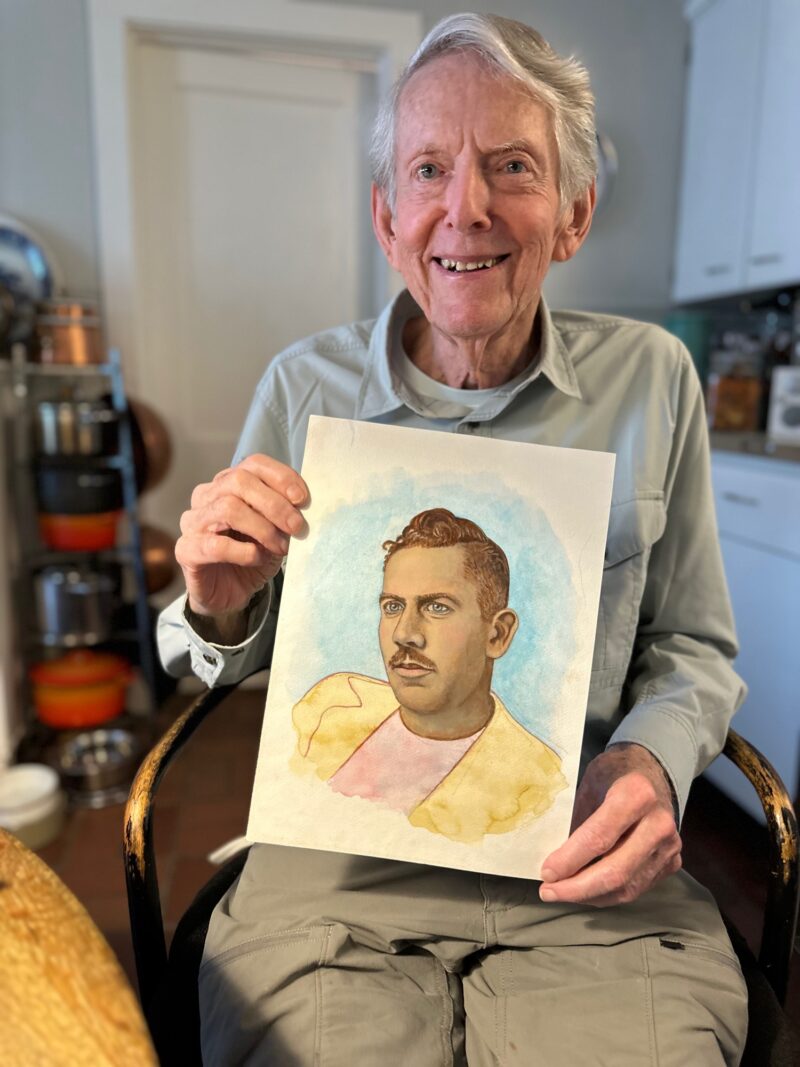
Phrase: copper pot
(152, 446)
(70, 333)
(158, 556)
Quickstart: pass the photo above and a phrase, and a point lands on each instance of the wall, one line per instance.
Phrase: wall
(45, 131)
(633, 48)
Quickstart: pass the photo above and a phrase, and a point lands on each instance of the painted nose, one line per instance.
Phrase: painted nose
(407, 632)
(468, 197)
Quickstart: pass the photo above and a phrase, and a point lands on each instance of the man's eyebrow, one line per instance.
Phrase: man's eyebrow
(430, 597)
(390, 596)
(519, 145)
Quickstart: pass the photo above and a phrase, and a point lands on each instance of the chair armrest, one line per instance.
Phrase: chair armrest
(144, 901)
(780, 912)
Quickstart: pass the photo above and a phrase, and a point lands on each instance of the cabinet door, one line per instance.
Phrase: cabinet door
(718, 145)
(765, 591)
(774, 253)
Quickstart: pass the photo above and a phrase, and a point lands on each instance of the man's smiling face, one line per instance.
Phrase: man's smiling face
(434, 641)
(477, 219)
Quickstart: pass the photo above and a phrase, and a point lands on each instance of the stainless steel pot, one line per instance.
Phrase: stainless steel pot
(98, 766)
(76, 428)
(74, 606)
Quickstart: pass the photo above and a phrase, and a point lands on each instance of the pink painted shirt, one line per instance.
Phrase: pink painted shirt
(397, 766)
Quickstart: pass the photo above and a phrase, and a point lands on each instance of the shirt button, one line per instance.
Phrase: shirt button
(210, 659)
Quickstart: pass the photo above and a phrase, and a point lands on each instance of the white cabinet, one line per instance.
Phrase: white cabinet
(774, 251)
(720, 117)
(758, 510)
(739, 222)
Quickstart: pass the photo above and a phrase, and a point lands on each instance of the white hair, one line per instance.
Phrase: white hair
(513, 49)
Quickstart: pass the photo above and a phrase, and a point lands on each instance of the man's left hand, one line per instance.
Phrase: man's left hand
(624, 838)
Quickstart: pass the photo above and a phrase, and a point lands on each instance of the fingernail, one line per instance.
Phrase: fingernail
(284, 544)
(295, 494)
(548, 874)
(547, 894)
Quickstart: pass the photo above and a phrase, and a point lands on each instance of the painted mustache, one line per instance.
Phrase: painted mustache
(402, 658)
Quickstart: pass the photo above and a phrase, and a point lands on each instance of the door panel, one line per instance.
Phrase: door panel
(250, 212)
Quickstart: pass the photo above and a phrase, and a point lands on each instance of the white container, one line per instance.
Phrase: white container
(32, 804)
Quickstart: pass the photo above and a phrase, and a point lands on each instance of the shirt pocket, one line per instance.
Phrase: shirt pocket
(634, 527)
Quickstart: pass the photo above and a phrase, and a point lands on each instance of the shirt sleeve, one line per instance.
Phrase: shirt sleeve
(184, 652)
(682, 688)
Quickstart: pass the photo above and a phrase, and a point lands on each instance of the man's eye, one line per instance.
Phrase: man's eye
(515, 166)
(428, 171)
(391, 607)
(436, 608)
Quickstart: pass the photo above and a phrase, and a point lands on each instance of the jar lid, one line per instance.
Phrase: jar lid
(80, 667)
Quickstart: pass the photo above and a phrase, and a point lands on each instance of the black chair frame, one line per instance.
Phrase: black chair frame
(158, 973)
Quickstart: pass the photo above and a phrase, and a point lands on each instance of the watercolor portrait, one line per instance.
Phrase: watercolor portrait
(433, 651)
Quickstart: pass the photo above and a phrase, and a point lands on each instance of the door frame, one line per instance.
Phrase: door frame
(383, 38)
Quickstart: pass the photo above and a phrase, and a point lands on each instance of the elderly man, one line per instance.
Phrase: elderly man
(483, 162)
(435, 742)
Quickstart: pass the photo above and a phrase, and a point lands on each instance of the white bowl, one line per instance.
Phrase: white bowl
(32, 804)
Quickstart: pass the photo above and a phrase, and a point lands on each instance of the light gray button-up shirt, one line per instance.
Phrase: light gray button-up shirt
(661, 674)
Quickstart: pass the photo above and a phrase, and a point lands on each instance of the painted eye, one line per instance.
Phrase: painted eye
(428, 171)
(438, 609)
(391, 607)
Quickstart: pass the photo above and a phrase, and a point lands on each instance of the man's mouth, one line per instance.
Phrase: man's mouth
(465, 266)
(411, 668)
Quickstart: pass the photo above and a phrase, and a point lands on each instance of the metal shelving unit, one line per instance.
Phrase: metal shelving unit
(28, 383)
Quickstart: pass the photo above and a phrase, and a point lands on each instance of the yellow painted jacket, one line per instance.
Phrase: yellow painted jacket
(506, 778)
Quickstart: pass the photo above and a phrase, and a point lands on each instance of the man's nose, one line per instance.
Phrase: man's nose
(408, 631)
(468, 200)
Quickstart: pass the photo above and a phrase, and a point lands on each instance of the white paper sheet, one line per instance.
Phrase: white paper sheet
(331, 716)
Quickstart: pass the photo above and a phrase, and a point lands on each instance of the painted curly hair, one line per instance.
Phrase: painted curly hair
(485, 562)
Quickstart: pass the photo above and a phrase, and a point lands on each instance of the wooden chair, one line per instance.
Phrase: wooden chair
(168, 982)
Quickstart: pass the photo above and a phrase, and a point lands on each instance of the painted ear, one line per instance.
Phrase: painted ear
(575, 225)
(504, 625)
(383, 223)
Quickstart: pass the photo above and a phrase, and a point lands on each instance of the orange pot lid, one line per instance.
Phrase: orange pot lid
(81, 666)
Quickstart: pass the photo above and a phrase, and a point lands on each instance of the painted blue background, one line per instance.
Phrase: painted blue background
(345, 571)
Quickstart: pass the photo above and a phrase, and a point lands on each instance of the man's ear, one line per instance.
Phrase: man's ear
(383, 222)
(575, 225)
(504, 625)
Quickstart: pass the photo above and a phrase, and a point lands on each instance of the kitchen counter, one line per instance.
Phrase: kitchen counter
(754, 444)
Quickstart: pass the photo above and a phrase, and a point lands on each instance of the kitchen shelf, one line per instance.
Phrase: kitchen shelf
(131, 625)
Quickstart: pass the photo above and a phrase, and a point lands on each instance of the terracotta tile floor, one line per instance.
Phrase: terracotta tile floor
(203, 802)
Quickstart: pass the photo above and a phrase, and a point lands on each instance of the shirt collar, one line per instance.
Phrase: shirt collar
(379, 395)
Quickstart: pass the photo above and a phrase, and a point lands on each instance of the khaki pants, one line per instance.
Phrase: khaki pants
(315, 958)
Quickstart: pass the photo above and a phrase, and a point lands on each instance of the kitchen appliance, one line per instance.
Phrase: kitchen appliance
(74, 605)
(783, 425)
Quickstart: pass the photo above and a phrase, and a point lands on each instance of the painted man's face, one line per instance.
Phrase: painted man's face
(437, 648)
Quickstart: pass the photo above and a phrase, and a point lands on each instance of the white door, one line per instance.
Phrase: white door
(251, 219)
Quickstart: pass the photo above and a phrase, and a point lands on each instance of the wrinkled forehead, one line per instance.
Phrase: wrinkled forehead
(434, 97)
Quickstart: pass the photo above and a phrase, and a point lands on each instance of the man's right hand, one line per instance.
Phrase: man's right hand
(236, 533)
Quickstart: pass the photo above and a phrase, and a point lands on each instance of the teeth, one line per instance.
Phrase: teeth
(461, 265)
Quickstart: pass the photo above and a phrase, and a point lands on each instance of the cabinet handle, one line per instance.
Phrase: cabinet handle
(718, 268)
(768, 257)
(738, 498)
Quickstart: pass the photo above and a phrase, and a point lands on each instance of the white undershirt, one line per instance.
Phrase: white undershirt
(397, 766)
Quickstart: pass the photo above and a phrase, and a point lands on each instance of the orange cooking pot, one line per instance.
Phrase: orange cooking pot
(81, 688)
(76, 533)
